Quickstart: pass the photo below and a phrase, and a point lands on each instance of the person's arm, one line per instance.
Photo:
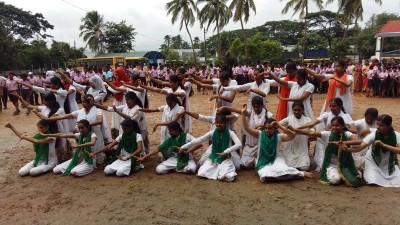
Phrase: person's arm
(166, 123)
(356, 148)
(59, 135)
(102, 107)
(13, 129)
(342, 82)
(123, 115)
(154, 89)
(315, 75)
(240, 88)
(149, 110)
(395, 149)
(201, 84)
(193, 114)
(151, 154)
(299, 98)
(139, 89)
(88, 144)
(309, 124)
(35, 141)
(179, 94)
(253, 132)
(114, 88)
(163, 83)
(196, 141)
(278, 80)
(229, 108)
(237, 144)
(23, 102)
(223, 98)
(104, 149)
(288, 134)
(59, 117)
(24, 84)
(199, 79)
(305, 132)
(99, 121)
(259, 92)
(352, 128)
(135, 153)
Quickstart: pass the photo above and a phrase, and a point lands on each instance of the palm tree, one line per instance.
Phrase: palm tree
(167, 40)
(214, 11)
(196, 41)
(92, 30)
(351, 9)
(184, 9)
(176, 42)
(241, 12)
(301, 7)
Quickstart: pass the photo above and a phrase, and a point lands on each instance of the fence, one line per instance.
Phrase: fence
(19, 72)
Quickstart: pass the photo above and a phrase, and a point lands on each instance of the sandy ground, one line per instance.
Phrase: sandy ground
(147, 198)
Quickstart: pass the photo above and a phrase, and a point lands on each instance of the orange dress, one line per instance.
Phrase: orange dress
(282, 111)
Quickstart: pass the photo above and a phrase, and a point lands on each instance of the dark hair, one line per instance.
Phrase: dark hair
(338, 101)
(85, 123)
(221, 117)
(172, 97)
(175, 126)
(146, 99)
(386, 119)
(298, 103)
(44, 123)
(291, 66)
(269, 120)
(224, 76)
(302, 74)
(257, 100)
(57, 81)
(226, 68)
(132, 124)
(87, 98)
(260, 69)
(53, 104)
(342, 63)
(372, 112)
(133, 96)
(181, 70)
(176, 79)
(338, 119)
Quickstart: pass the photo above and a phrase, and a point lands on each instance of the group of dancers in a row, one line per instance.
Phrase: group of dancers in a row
(353, 152)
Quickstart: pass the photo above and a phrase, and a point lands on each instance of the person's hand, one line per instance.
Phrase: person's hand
(213, 97)
(14, 93)
(248, 91)
(180, 149)
(290, 127)
(155, 128)
(123, 82)
(243, 111)
(41, 116)
(378, 143)
(123, 158)
(91, 154)
(275, 124)
(221, 153)
(279, 97)
(141, 159)
(74, 146)
(114, 108)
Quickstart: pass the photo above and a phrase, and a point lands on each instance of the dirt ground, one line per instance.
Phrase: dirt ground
(147, 198)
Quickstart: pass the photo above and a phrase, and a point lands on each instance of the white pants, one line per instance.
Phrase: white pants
(170, 164)
(237, 161)
(79, 170)
(29, 169)
(121, 168)
(225, 170)
(332, 174)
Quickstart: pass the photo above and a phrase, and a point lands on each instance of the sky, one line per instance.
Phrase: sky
(150, 19)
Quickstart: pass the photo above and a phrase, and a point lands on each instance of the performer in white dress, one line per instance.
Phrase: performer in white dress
(260, 87)
(338, 164)
(364, 126)
(51, 108)
(96, 119)
(81, 163)
(301, 90)
(336, 109)
(44, 147)
(172, 111)
(181, 162)
(269, 164)
(219, 164)
(296, 151)
(381, 163)
(130, 145)
(96, 87)
(339, 86)
(131, 111)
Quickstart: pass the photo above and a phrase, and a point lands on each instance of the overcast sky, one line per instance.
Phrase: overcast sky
(150, 20)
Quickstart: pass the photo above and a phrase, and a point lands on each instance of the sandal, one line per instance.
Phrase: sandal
(16, 113)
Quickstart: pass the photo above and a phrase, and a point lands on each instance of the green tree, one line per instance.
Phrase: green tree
(301, 7)
(176, 42)
(214, 11)
(167, 40)
(285, 31)
(196, 42)
(314, 41)
(185, 9)
(351, 10)
(119, 37)
(241, 12)
(92, 31)
(23, 24)
(326, 25)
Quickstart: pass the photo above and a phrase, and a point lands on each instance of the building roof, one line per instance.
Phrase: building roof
(149, 55)
(390, 29)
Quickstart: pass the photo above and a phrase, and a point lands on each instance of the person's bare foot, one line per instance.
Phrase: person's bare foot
(310, 175)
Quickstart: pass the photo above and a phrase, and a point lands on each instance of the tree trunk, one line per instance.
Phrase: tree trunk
(191, 41)
(305, 32)
(218, 43)
(244, 40)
